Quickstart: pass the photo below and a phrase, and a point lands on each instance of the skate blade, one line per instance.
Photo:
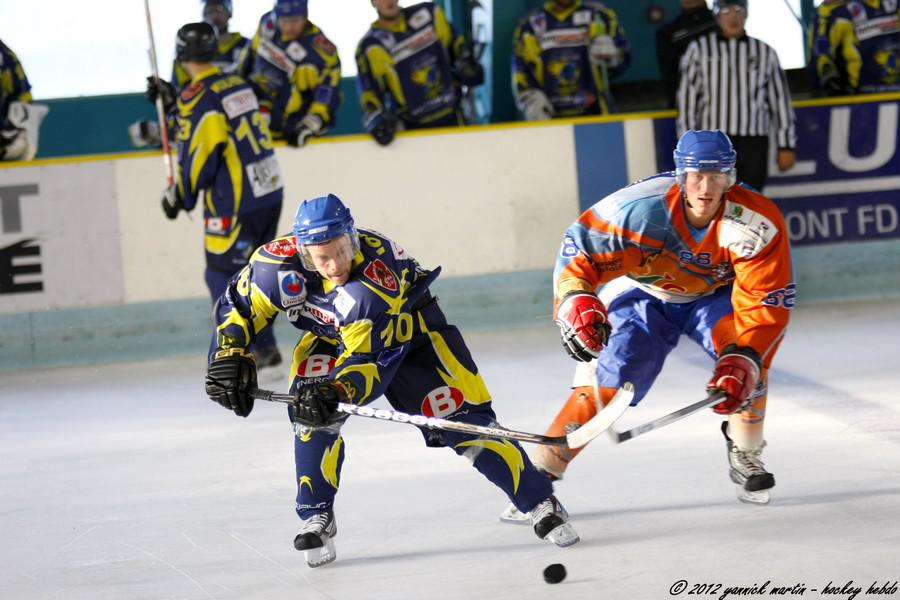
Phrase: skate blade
(317, 557)
(515, 516)
(758, 497)
(563, 536)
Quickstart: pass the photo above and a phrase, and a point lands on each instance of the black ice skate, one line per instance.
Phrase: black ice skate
(513, 515)
(551, 522)
(315, 539)
(747, 471)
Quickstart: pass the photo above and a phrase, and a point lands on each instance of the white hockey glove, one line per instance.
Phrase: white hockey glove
(603, 48)
(309, 126)
(535, 105)
(144, 133)
(21, 142)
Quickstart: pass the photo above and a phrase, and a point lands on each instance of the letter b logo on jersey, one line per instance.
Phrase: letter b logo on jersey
(317, 365)
(442, 401)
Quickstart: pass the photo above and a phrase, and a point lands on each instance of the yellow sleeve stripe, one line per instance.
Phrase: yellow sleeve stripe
(384, 73)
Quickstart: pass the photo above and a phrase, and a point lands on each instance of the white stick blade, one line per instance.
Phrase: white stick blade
(604, 419)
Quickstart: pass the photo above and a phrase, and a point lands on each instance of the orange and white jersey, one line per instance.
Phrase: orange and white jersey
(641, 232)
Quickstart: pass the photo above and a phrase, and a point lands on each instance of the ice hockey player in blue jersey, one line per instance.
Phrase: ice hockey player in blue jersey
(224, 153)
(411, 67)
(296, 73)
(20, 118)
(854, 46)
(369, 327)
(564, 52)
(229, 49)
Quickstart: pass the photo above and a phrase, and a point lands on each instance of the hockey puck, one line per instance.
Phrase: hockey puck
(554, 573)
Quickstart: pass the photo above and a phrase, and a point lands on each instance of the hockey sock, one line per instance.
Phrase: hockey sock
(578, 410)
(746, 428)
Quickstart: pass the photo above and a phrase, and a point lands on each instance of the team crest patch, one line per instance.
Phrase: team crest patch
(292, 288)
(296, 51)
(191, 91)
(420, 18)
(281, 248)
(381, 275)
(322, 42)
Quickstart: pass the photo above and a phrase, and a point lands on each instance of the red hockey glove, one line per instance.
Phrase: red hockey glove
(737, 373)
(582, 321)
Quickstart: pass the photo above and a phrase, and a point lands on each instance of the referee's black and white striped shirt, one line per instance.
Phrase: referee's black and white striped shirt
(735, 85)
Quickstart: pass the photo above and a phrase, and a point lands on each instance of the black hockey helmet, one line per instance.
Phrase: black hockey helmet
(226, 4)
(196, 42)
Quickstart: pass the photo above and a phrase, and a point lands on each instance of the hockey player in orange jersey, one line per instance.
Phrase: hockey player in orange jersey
(700, 255)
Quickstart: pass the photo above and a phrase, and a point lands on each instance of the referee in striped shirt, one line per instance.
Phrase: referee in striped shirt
(734, 83)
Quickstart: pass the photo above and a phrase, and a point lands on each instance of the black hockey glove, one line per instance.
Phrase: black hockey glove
(315, 404)
(172, 202)
(382, 126)
(468, 71)
(157, 88)
(229, 378)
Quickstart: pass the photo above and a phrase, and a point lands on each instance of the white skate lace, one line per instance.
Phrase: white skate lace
(748, 462)
(316, 525)
(546, 508)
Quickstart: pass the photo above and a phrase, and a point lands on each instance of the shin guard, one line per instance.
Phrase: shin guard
(578, 410)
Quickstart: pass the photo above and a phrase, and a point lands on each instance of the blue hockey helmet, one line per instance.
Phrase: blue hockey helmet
(196, 42)
(704, 150)
(321, 220)
(290, 8)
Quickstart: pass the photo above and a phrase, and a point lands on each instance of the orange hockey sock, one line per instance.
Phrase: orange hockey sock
(578, 410)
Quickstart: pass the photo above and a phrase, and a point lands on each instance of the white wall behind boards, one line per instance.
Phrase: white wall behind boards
(474, 202)
(59, 237)
(482, 200)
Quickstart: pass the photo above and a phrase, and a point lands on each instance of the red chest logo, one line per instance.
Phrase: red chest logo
(381, 275)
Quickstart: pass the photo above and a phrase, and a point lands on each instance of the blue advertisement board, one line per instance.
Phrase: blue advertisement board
(846, 183)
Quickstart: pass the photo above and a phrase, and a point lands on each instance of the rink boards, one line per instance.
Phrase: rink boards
(90, 268)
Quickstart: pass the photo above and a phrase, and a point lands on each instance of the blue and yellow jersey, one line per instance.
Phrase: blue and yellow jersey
(14, 86)
(641, 232)
(552, 53)
(405, 68)
(293, 77)
(857, 42)
(225, 151)
(372, 318)
(228, 59)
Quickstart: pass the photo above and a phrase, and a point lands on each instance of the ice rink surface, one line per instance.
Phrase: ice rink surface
(124, 482)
